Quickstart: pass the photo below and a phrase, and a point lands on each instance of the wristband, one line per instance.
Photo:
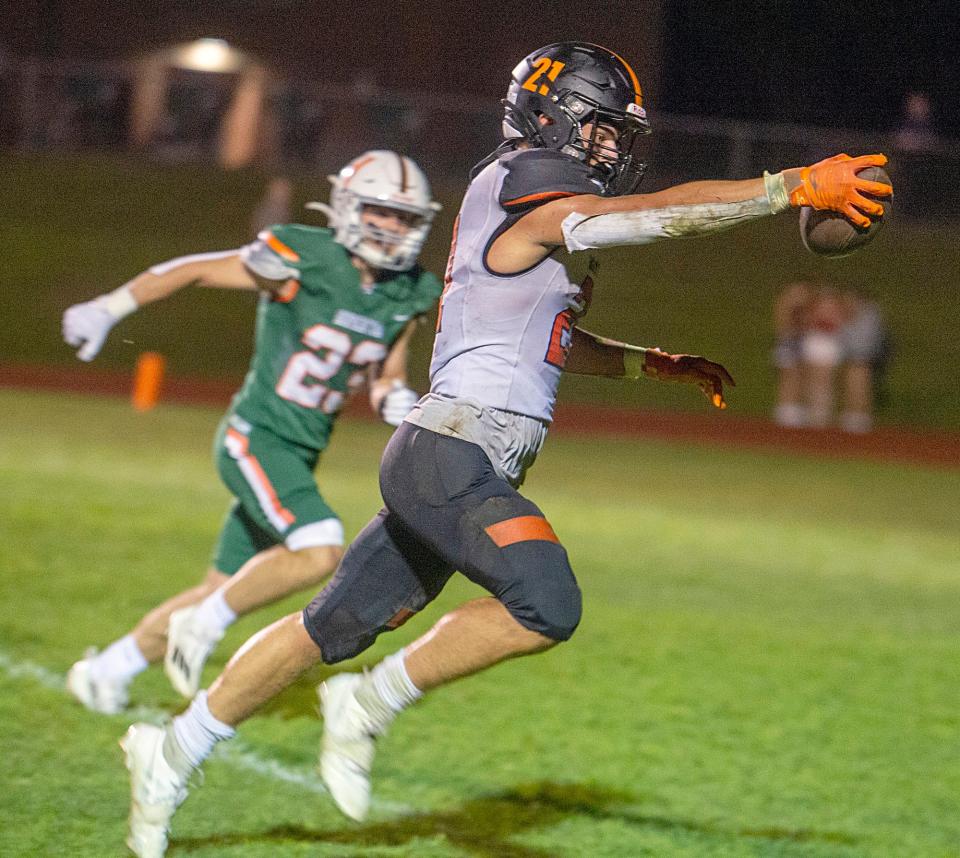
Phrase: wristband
(776, 188)
(119, 303)
(634, 362)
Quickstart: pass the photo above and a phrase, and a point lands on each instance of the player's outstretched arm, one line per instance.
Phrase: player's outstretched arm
(86, 325)
(593, 355)
(389, 395)
(701, 208)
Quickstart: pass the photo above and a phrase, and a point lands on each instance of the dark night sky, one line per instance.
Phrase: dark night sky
(818, 61)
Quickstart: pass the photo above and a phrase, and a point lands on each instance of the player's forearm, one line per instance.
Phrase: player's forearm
(381, 386)
(692, 193)
(222, 269)
(593, 355)
(392, 373)
(684, 211)
(147, 287)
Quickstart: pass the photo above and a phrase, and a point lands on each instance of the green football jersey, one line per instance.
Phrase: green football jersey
(315, 338)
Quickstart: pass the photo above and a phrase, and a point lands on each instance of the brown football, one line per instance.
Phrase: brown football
(830, 234)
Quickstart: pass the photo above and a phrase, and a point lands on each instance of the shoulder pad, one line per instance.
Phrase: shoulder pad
(266, 262)
(537, 176)
(298, 245)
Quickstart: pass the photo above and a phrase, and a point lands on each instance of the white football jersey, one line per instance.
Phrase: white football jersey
(502, 340)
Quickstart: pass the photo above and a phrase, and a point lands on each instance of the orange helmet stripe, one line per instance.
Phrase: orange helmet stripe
(358, 165)
(633, 77)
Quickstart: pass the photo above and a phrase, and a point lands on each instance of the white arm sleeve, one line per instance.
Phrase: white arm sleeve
(581, 232)
(170, 264)
(612, 229)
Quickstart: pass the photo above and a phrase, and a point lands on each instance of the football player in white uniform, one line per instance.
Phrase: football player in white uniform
(563, 181)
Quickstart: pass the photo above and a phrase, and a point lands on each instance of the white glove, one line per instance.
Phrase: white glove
(86, 325)
(397, 404)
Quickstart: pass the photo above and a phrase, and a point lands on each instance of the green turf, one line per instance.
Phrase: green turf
(76, 226)
(768, 662)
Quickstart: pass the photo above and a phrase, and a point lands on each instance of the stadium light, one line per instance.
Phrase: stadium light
(208, 55)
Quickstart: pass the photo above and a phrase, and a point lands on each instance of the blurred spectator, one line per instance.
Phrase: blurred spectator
(918, 178)
(825, 336)
(275, 207)
(916, 132)
(789, 319)
(303, 119)
(821, 349)
(867, 350)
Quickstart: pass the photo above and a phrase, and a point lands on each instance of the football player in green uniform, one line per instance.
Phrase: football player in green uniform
(338, 307)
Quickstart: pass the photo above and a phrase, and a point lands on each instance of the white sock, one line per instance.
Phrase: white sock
(386, 691)
(197, 731)
(214, 612)
(122, 660)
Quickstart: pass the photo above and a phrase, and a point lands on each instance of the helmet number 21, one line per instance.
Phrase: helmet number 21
(543, 66)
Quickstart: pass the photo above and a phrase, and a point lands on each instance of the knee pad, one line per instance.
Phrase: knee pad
(377, 588)
(514, 553)
(336, 629)
(542, 593)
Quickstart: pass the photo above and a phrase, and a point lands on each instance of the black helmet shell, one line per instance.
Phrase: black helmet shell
(558, 90)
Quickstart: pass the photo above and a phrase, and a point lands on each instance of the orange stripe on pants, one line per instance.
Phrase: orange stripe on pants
(523, 528)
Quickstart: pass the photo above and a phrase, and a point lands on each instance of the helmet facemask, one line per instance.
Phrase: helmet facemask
(375, 245)
(619, 166)
(387, 181)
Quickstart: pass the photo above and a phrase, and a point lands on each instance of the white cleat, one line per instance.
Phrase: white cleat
(347, 747)
(188, 647)
(107, 696)
(156, 790)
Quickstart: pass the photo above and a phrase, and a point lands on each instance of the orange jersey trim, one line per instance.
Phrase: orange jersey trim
(399, 618)
(523, 528)
(281, 249)
(286, 293)
(244, 444)
(544, 195)
(240, 440)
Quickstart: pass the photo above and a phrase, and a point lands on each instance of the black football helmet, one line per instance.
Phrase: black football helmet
(557, 90)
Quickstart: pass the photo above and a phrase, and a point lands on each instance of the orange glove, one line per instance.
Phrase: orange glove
(834, 184)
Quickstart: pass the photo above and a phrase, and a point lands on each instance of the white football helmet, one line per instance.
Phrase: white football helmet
(380, 178)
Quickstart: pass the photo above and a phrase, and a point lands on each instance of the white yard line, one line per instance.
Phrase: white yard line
(234, 753)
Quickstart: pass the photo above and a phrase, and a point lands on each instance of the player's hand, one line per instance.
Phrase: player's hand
(85, 326)
(709, 376)
(834, 184)
(397, 404)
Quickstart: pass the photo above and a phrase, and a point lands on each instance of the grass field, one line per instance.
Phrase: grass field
(768, 663)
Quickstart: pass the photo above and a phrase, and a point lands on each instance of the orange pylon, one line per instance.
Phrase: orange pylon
(147, 380)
